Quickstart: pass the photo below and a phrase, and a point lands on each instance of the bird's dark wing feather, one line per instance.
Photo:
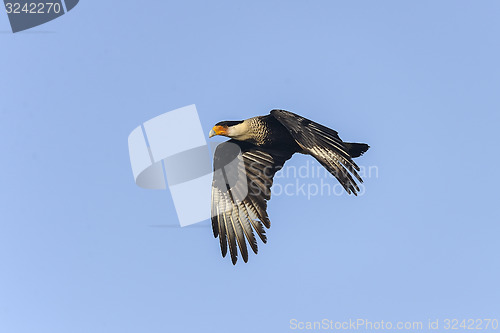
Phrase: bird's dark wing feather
(243, 176)
(325, 145)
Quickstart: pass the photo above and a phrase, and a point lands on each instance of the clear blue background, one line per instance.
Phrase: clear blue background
(418, 80)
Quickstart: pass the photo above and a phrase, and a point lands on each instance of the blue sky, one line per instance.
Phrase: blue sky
(419, 81)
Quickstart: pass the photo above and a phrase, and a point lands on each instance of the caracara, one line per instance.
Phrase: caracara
(244, 168)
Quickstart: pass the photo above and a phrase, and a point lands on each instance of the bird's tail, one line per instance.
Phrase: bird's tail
(326, 147)
(356, 149)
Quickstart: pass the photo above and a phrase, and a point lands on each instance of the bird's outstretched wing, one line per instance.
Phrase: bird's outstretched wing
(243, 176)
(325, 146)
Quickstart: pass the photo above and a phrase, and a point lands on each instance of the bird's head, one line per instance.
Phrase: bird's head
(226, 128)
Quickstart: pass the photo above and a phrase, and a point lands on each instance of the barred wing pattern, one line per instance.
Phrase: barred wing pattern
(241, 187)
(324, 145)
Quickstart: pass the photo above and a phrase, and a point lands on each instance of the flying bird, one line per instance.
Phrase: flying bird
(244, 168)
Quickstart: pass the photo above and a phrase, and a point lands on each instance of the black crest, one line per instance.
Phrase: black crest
(228, 123)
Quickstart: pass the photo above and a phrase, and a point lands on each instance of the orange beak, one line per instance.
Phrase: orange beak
(217, 130)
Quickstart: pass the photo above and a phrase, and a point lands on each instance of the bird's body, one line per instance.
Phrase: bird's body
(262, 131)
(244, 168)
